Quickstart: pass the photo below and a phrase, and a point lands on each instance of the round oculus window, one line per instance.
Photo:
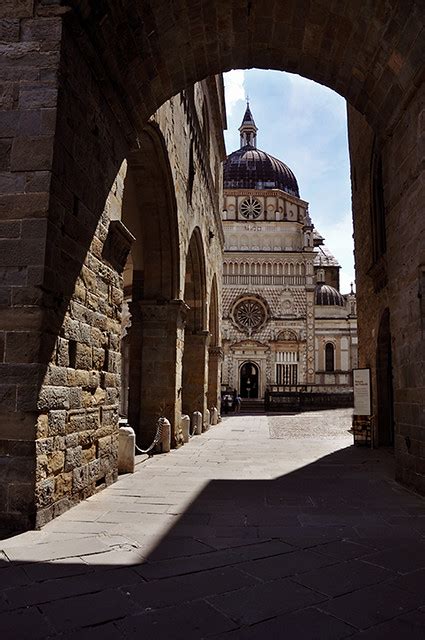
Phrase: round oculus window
(249, 314)
(250, 208)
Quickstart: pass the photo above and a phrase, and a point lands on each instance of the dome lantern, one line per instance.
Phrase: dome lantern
(251, 168)
(248, 129)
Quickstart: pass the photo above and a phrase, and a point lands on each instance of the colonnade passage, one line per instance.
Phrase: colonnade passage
(263, 526)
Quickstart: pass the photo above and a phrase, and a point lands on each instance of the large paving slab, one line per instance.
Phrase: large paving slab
(263, 527)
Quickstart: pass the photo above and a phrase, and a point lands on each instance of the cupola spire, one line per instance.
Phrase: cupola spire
(248, 129)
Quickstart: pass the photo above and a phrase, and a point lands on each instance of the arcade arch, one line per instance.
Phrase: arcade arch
(215, 354)
(149, 211)
(196, 335)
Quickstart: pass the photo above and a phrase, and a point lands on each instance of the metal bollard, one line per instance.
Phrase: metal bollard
(185, 427)
(126, 449)
(196, 423)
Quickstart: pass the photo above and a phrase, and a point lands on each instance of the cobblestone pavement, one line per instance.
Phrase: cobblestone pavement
(236, 535)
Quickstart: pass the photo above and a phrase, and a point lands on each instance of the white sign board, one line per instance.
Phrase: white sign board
(361, 384)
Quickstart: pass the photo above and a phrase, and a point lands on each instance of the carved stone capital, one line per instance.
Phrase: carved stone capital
(216, 352)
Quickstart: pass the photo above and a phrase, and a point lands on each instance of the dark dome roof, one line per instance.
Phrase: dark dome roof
(326, 295)
(250, 168)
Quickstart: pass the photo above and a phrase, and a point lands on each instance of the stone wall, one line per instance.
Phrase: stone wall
(76, 427)
(28, 108)
(394, 281)
(63, 145)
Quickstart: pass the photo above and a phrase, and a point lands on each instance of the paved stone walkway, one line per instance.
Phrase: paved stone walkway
(237, 535)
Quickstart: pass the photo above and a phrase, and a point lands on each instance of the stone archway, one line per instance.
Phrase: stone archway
(196, 335)
(355, 48)
(149, 211)
(105, 68)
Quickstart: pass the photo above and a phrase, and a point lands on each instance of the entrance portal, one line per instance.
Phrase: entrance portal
(249, 380)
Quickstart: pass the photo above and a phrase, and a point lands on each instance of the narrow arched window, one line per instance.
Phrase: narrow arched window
(329, 357)
(377, 203)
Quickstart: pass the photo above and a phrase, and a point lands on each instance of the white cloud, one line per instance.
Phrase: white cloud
(234, 84)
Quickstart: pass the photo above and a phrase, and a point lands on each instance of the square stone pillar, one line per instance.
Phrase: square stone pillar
(156, 350)
(194, 381)
(215, 357)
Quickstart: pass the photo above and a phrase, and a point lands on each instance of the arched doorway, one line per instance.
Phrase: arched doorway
(384, 383)
(249, 379)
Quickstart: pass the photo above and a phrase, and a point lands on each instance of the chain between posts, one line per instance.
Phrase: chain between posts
(156, 439)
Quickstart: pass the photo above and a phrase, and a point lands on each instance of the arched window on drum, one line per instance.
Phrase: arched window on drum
(329, 357)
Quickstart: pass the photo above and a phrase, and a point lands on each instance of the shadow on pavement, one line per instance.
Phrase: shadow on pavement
(335, 549)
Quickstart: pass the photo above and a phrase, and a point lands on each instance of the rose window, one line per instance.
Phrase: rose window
(250, 208)
(249, 315)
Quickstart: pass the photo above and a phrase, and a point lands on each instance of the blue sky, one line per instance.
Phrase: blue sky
(305, 125)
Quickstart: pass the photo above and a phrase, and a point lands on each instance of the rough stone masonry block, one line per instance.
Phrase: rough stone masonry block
(9, 32)
(80, 478)
(73, 458)
(44, 492)
(31, 153)
(16, 8)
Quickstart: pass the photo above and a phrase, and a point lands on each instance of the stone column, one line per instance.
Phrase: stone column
(215, 357)
(194, 382)
(157, 338)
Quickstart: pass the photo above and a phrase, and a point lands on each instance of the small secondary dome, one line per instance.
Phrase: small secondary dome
(251, 168)
(325, 295)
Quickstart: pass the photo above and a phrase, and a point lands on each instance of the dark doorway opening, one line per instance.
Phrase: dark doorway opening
(249, 380)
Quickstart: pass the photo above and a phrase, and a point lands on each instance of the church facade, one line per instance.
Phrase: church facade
(286, 326)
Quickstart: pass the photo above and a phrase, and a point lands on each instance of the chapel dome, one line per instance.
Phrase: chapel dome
(325, 295)
(251, 168)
